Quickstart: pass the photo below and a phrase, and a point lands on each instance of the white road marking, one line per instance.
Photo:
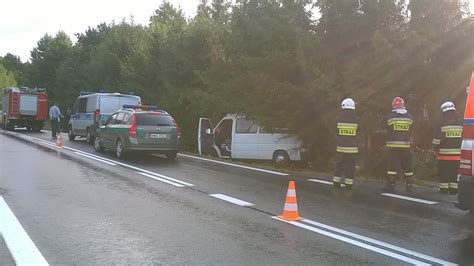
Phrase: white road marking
(356, 243)
(93, 158)
(161, 179)
(49, 144)
(171, 179)
(155, 175)
(410, 198)
(379, 243)
(232, 200)
(20, 245)
(324, 182)
(137, 169)
(235, 165)
(321, 181)
(384, 194)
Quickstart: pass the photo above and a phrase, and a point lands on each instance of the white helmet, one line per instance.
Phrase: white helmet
(348, 103)
(448, 106)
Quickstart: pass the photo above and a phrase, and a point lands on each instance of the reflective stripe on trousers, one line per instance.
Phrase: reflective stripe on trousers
(443, 185)
(398, 144)
(449, 151)
(347, 149)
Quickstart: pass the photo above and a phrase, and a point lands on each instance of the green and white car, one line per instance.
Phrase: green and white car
(139, 129)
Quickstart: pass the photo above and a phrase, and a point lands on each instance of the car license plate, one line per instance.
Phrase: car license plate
(158, 136)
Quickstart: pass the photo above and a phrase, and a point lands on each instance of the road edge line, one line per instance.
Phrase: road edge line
(355, 243)
(20, 245)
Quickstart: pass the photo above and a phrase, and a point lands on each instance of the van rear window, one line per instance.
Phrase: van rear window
(110, 104)
(154, 119)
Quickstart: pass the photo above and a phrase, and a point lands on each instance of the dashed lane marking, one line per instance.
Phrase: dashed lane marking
(20, 245)
(410, 198)
(231, 200)
(392, 251)
(324, 182)
(93, 158)
(234, 165)
(429, 202)
(377, 242)
(161, 179)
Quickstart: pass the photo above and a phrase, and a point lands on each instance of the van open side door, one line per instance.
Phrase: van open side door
(205, 136)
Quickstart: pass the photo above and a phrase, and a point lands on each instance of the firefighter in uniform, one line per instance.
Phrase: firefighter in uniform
(399, 125)
(447, 138)
(347, 145)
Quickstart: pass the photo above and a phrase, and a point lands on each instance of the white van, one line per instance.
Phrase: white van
(239, 137)
(93, 109)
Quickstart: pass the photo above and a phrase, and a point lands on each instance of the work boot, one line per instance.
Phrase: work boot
(409, 186)
(389, 187)
(453, 188)
(348, 182)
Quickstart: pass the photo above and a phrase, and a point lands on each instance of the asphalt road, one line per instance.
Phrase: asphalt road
(81, 207)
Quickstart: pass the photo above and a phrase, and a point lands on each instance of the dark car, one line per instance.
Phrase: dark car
(139, 129)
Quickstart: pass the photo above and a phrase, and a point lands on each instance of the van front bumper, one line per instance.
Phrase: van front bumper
(465, 193)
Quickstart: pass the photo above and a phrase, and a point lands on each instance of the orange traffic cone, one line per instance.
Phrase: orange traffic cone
(58, 141)
(290, 211)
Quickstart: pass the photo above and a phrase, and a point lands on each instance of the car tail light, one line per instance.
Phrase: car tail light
(178, 130)
(97, 116)
(132, 131)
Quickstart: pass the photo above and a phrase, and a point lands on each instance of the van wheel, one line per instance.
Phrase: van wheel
(70, 134)
(119, 152)
(89, 138)
(281, 158)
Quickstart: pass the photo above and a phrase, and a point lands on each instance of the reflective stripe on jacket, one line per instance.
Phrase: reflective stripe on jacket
(447, 137)
(399, 130)
(347, 130)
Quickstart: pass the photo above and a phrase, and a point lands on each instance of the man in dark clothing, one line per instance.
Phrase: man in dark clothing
(399, 125)
(447, 139)
(347, 145)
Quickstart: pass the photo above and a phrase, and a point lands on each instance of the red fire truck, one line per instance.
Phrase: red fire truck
(23, 107)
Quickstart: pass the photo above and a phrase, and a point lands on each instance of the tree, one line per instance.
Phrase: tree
(46, 59)
(7, 78)
(13, 64)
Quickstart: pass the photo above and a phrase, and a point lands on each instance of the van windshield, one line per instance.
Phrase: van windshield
(110, 104)
(151, 119)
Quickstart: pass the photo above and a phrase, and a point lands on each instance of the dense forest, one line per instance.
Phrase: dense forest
(289, 63)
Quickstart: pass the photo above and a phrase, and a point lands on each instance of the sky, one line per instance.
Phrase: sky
(24, 22)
